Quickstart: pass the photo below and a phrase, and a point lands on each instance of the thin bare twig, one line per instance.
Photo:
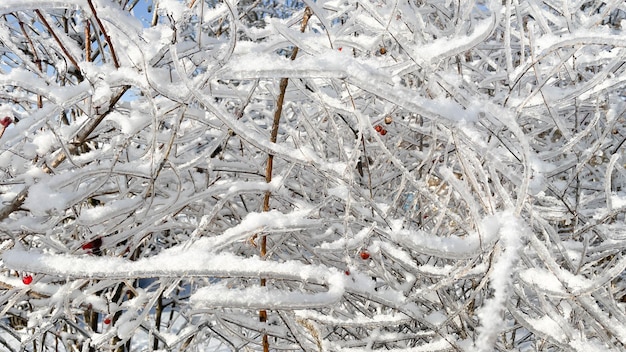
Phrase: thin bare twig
(104, 33)
(56, 38)
(84, 133)
(270, 162)
(87, 41)
(35, 58)
(79, 140)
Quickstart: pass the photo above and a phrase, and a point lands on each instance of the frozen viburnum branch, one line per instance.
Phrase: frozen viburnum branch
(445, 175)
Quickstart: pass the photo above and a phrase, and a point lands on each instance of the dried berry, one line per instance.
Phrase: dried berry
(93, 244)
(388, 119)
(383, 51)
(378, 128)
(383, 132)
(6, 121)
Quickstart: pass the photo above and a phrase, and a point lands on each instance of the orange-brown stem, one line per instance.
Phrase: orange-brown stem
(270, 165)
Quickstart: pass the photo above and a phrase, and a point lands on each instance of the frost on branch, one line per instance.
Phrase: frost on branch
(195, 175)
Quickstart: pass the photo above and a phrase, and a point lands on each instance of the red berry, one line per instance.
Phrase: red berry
(95, 244)
(340, 48)
(378, 128)
(364, 255)
(6, 121)
(27, 279)
(107, 320)
(347, 272)
(383, 132)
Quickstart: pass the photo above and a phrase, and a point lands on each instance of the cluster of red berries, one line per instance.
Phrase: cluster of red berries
(364, 254)
(380, 129)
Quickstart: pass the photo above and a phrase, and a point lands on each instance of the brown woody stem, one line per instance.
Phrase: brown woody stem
(104, 33)
(56, 38)
(270, 164)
